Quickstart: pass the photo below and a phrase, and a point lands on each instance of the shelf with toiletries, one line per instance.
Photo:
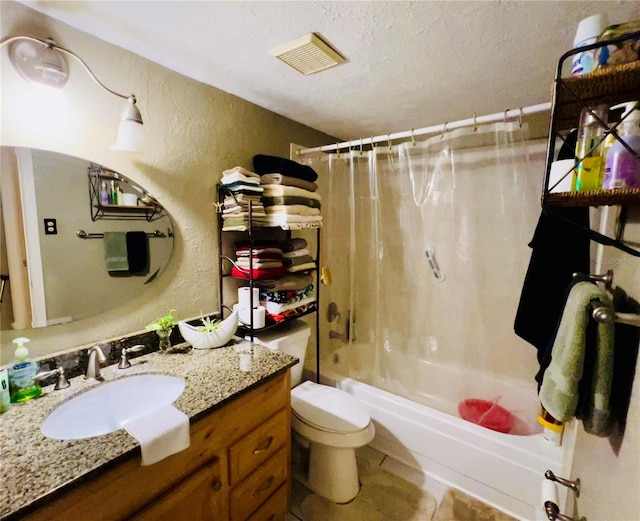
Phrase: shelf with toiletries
(109, 200)
(598, 114)
(250, 254)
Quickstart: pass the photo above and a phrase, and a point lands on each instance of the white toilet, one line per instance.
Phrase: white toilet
(330, 421)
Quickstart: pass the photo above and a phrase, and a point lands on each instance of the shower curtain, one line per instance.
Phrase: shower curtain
(427, 247)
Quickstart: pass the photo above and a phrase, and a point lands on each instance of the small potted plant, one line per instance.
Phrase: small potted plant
(212, 333)
(163, 326)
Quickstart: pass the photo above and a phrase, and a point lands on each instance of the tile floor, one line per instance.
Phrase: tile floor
(390, 491)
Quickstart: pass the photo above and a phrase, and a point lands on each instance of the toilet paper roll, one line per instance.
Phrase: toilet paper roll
(549, 492)
(558, 170)
(129, 199)
(244, 297)
(244, 316)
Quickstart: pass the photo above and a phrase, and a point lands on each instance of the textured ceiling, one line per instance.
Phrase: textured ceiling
(409, 64)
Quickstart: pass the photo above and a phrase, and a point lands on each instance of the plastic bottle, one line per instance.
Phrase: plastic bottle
(587, 33)
(589, 172)
(553, 429)
(114, 193)
(622, 169)
(104, 194)
(5, 397)
(622, 52)
(22, 386)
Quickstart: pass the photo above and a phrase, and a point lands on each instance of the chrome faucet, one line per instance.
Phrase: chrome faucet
(93, 366)
(124, 361)
(61, 383)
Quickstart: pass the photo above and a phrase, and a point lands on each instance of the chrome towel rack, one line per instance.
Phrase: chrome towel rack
(604, 314)
(84, 235)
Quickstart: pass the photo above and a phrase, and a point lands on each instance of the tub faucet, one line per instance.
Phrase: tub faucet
(93, 366)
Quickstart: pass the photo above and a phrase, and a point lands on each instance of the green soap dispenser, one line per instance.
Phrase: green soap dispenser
(22, 386)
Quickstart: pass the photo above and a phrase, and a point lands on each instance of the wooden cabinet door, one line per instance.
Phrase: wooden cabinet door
(200, 497)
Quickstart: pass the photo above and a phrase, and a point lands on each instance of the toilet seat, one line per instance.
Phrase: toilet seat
(328, 409)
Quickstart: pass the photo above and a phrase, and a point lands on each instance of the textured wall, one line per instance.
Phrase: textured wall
(193, 133)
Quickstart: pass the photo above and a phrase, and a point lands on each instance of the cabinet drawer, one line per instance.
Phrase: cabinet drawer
(258, 446)
(201, 497)
(275, 508)
(253, 491)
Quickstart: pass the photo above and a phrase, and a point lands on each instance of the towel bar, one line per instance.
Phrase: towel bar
(607, 278)
(603, 314)
(84, 235)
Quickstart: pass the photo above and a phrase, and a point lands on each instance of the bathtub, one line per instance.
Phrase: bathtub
(503, 470)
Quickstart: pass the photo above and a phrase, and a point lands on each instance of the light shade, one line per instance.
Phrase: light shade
(39, 62)
(130, 132)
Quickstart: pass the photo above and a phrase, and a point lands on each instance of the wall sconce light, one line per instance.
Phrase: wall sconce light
(42, 61)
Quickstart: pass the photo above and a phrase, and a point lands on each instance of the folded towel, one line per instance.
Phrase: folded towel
(296, 253)
(286, 297)
(297, 243)
(138, 252)
(293, 222)
(234, 177)
(296, 261)
(115, 251)
(264, 164)
(301, 267)
(242, 187)
(295, 281)
(293, 209)
(289, 200)
(275, 309)
(160, 433)
(560, 390)
(289, 191)
(267, 273)
(240, 170)
(258, 264)
(279, 179)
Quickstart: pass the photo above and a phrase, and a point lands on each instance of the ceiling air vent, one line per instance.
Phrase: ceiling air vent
(308, 54)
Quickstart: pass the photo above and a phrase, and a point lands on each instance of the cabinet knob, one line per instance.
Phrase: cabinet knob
(216, 484)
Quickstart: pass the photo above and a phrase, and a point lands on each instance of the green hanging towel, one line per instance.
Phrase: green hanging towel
(115, 251)
(559, 393)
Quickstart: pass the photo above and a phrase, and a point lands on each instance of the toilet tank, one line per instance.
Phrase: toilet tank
(292, 340)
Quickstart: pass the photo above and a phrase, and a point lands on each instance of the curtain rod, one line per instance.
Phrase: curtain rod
(519, 112)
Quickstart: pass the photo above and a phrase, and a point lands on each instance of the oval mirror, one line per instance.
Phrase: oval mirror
(77, 238)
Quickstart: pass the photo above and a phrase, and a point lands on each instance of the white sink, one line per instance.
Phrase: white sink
(107, 407)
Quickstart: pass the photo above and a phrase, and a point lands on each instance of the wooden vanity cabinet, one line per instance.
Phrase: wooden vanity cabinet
(236, 469)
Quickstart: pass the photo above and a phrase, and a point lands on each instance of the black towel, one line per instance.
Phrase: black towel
(559, 248)
(263, 164)
(138, 253)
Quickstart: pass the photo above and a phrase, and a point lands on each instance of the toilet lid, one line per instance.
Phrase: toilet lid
(328, 408)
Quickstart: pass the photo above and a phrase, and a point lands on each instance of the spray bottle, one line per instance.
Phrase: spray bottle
(622, 167)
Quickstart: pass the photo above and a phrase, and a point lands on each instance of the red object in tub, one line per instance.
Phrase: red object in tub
(486, 414)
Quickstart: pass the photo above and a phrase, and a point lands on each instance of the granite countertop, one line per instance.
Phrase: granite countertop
(34, 466)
